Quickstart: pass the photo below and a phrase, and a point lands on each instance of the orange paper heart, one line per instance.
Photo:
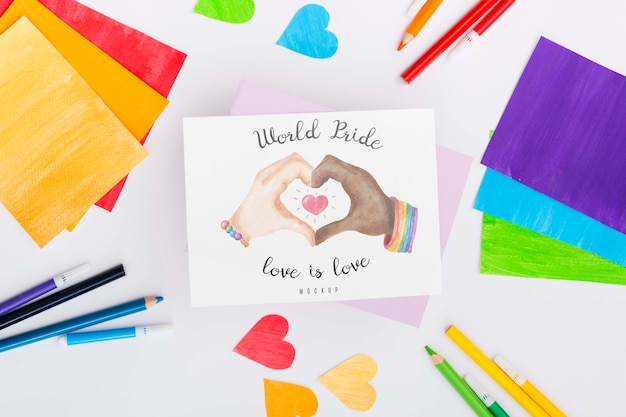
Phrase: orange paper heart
(283, 399)
(349, 382)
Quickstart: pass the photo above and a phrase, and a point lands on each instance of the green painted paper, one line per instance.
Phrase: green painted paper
(229, 11)
(508, 249)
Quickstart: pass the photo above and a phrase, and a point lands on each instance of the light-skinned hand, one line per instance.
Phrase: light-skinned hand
(262, 212)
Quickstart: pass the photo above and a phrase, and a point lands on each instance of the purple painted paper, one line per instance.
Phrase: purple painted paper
(452, 171)
(563, 133)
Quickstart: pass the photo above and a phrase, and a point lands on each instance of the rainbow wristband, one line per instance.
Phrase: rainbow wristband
(405, 222)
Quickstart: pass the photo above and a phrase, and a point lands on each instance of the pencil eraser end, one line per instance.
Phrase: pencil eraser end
(415, 7)
(459, 50)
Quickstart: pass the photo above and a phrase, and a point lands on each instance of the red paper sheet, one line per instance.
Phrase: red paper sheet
(152, 61)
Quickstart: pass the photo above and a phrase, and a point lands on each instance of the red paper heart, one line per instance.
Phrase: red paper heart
(314, 205)
(264, 343)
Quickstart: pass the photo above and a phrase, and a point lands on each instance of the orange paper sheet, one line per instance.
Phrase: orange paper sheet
(61, 147)
(135, 103)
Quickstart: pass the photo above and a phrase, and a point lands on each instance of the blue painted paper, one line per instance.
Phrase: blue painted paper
(510, 200)
(306, 34)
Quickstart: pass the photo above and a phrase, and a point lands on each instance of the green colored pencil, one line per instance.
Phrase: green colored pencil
(458, 384)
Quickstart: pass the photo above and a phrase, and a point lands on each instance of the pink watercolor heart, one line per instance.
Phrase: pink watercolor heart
(314, 205)
(317, 207)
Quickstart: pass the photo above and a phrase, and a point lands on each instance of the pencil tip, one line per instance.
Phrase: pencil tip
(159, 299)
(405, 40)
(430, 351)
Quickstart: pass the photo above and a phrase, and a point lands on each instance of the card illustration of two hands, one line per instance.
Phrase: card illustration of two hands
(312, 207)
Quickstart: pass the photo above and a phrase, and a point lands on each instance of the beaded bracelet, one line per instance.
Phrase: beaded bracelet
(405, 223)
(225, 225)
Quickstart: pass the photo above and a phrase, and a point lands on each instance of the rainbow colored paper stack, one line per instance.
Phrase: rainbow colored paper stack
(77, 107)
(554, 192)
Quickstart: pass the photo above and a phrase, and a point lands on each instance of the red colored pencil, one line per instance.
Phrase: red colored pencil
(482, 26)
(493, 15)
(448, 39)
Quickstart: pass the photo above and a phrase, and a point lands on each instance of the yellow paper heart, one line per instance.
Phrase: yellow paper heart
(349, 381)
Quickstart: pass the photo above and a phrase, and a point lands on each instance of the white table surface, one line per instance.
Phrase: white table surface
(565, 336)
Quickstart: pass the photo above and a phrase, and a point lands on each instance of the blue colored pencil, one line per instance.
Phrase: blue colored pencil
(78, 323)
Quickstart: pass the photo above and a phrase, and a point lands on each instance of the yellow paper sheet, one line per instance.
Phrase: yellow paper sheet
(135, 103)
(61, 147)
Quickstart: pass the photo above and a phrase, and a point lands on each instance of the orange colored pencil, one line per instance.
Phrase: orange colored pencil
(419, 21)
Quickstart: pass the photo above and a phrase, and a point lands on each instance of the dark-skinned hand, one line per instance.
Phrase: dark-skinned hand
(371, 211)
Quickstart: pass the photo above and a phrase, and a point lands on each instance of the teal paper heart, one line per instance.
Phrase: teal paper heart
(306, 34)
(233, 11)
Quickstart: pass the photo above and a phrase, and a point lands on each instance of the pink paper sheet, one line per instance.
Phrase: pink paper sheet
(452, 170)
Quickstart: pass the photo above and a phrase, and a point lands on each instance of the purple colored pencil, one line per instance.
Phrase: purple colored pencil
(41, 289)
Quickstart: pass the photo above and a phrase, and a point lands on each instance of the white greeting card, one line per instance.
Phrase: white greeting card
(311, 207)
